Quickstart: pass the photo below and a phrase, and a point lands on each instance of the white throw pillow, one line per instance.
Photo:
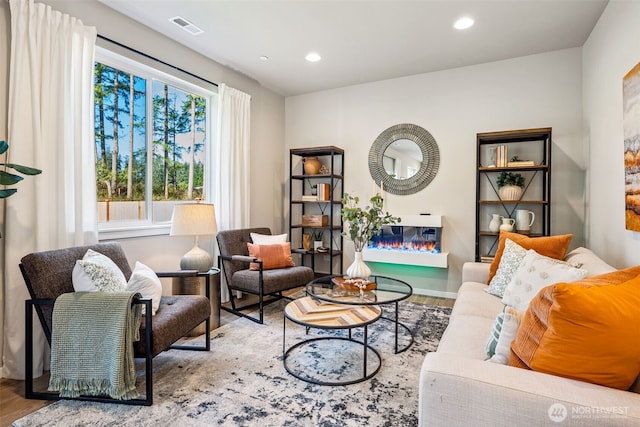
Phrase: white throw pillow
(535, 272)
(585, 258)
(510, 324)
(509, 263)
(268, 239)
(96, 272)
(146, 281)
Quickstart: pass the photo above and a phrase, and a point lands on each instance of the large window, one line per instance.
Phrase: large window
(152, 136)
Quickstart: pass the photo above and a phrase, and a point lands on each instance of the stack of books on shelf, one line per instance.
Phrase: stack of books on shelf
(309, 198)
(501, 156)
(324, 192)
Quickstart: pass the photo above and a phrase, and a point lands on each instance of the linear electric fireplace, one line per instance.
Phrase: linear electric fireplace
(416, 240)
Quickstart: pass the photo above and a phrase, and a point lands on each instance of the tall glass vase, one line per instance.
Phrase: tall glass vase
(358, 268)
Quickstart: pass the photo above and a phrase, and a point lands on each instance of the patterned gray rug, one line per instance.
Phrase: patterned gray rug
(242, 381)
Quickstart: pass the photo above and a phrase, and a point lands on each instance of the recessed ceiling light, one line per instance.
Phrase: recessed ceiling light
(264, 58)
(463, 23)
(313, 57)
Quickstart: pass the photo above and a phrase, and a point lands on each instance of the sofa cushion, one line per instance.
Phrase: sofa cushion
(494, 335)
(473, 300)
(510, 324)
(588, 260)
(551, 246)
(583, 331)
(510, 260)
(277, 255)
(466, 336)
(97, 272)
(267, 239)
(534, 273)
(144, 280)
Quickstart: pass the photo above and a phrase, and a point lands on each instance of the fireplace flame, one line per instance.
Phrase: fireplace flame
(426, 246)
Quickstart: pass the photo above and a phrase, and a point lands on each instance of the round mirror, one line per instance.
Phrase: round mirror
(405, 158)
(402, 159)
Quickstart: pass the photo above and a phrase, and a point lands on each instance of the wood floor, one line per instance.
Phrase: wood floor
(13, 405)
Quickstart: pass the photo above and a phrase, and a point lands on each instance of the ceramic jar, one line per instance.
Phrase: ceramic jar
(494, 224)
(510, 192)
(311, 165)
(507, 224)
(524, 220)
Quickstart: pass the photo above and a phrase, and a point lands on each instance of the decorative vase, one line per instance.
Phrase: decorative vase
(494, 224)
(306, 242)
(358, 269)
(317, 244)
(507, 224)
(510, 192)
(311, 165)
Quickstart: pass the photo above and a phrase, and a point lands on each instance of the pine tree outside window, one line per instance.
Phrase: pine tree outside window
(152, 136)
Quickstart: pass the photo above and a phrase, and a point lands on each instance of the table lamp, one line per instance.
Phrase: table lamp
(194, 219)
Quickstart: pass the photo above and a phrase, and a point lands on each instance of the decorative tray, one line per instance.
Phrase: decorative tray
(354, 284)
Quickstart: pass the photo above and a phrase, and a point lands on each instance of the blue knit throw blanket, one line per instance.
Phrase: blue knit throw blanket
(92, 344)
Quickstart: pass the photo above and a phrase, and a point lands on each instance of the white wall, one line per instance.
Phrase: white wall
(613, 48)
(267, 124)
(453, 105)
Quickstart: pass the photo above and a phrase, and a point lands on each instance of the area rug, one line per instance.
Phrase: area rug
(242, 381)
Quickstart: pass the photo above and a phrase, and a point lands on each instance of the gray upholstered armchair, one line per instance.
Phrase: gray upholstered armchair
(234, 262)
(48, 275)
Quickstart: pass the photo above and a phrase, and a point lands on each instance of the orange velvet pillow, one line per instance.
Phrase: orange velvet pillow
(585, 330)
(551, 246)
(277, 255)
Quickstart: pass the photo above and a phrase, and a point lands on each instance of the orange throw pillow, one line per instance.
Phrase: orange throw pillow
(551, 246)
(584, 330)
(277, 255)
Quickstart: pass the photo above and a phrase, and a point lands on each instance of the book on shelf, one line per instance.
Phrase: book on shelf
(501, 156)
(487, 259)
(309, 198)
(520, 163)
(324, 192)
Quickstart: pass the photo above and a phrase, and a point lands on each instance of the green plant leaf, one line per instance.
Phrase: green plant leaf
(24, 169)
(7, 192)
(4, 146)
(7, 178)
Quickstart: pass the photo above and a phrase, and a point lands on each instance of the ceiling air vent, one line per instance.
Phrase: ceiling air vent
(186, 25)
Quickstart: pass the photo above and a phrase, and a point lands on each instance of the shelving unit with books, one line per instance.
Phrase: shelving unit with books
(317, 213)
(495, 154)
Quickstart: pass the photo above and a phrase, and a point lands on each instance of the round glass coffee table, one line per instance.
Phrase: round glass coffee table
(313, 313)
(385, 291)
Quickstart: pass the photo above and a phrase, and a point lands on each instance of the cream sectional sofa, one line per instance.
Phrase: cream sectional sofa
(459, 388)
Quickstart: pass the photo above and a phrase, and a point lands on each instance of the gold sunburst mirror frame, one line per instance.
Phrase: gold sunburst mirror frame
(422, 176)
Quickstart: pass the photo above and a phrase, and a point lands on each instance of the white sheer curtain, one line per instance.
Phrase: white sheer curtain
(51, 128)
(233, 162)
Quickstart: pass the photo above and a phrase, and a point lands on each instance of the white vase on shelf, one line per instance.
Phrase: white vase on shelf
(359, 268)
(494, 224)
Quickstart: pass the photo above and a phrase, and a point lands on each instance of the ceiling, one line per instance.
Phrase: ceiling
(363, 41)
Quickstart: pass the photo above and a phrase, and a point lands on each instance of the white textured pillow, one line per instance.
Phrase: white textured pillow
(510, 324)
(509, 263)
(535, 272)
(268, 239)
(96, 272)
(146, 281)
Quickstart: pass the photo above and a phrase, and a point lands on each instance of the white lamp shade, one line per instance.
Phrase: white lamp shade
(193, 219)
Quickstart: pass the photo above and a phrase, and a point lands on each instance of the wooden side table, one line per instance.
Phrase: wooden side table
(193, 285)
